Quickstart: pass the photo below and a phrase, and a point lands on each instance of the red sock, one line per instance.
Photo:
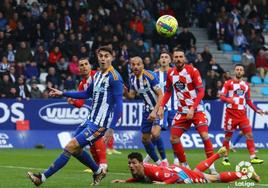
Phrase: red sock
(229, 176)
(208, 147)
(204, 165)
(179, 152)
(226, 142)
(101, 150)
(110, 144)
(94, 153)
(251, 146)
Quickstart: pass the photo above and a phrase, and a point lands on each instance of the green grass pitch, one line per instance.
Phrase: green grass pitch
(15, 163)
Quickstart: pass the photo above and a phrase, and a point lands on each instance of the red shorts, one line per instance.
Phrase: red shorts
(232, 121)
(180, 122)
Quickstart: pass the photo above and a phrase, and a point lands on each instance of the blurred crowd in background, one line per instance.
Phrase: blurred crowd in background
(42, 41)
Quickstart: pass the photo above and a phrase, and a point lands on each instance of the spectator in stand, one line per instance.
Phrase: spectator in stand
(12, 75)
(53, 78)
(206, 55)
(35, 91)
(148, 65)
(136, 25)
(3, 21)
(6, 87)
(54, 56)
(22, 89)
(256, 41)
(191, 55)
(248, 61)
(69, 83)
(40, 55)
(201, 66)
(166, 10)
(262, 63)
(186, 39)
(63, 67)
(211, 85)
(10, 53)
(240, 41)
(4, 66)
(230, 31)
(213, 65)
(123, 67)
(74, 68)
(83, 52)
(31, 71)
(23, 53)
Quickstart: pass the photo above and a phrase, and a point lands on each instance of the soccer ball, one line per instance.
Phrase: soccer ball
(166, 25)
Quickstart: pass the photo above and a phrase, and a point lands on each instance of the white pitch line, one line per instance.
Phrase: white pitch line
(263, 185)
(33, 168)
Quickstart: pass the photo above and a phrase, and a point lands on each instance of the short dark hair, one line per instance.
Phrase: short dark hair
(178, 50)
(239, 65)
(135, 155)
(106, 49)
(165, 51)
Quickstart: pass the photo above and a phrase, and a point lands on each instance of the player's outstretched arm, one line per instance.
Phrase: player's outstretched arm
(118, 181)
(79, 94)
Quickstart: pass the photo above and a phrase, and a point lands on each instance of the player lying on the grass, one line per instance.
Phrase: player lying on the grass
(149, 173)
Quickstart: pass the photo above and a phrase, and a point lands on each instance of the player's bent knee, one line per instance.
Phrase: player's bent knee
(146, 138)
(204, 135)
(174, 139)
(73, 146)
(249, 136)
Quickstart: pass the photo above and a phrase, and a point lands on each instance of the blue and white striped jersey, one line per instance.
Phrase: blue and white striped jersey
(173, 101)
(145, 86)
(107, 98)
(106, 86)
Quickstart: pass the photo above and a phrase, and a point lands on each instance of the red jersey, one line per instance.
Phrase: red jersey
(170, 175)
(83, 85)
(238, 91)
(185, 82)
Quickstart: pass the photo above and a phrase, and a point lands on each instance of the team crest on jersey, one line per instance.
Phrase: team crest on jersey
(179, 85)
(145, 83)
(239, 92)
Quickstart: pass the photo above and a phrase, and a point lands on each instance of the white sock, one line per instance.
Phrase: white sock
(104, 166)
(176, 161)
(147, 159)
(252, 156)
(158, 162)
(43, 178)
(165, 160)
(98, 171)
(212, 167)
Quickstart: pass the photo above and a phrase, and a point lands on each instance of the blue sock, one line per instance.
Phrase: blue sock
(58, 164)
(149, 147)
(158, 142)
(239, 136)
(86, 159)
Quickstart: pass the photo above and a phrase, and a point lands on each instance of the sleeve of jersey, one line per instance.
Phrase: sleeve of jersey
(223, 95)
(249, 101)
(168, 92)
(199, 86)
(117, 90)
(79, 102)
(80, 94)
(172, 179)
(131, 180)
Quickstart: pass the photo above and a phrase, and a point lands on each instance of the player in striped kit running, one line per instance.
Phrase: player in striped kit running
(107, 96)
(187, 83)
(98, 149)
(146, 84)
(236, 93)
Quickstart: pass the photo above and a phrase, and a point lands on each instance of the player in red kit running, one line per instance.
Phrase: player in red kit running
(98, 148)
(187, 82)
(150, 173)
(236, 93)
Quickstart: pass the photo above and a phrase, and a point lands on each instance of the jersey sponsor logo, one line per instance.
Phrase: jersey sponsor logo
(64, 114)
(179, 85)
(239, 92)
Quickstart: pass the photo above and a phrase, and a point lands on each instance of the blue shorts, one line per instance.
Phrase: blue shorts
(88, 133)
(168, 118)
(146, 125)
